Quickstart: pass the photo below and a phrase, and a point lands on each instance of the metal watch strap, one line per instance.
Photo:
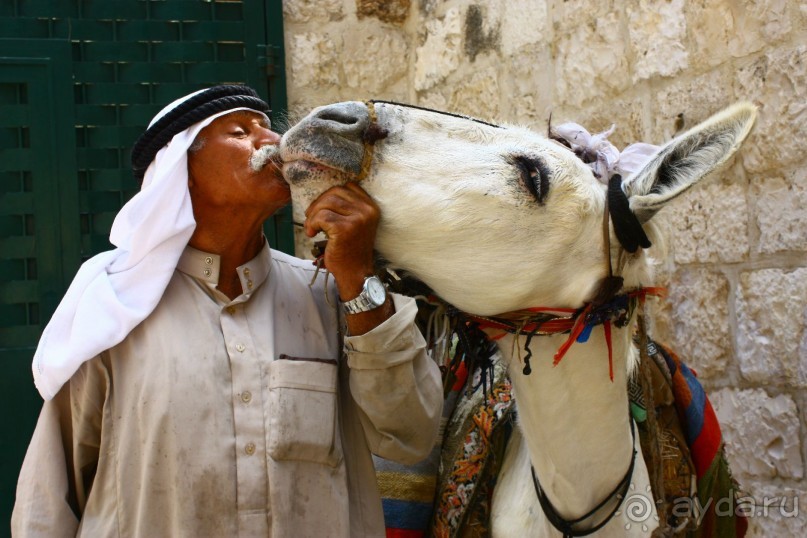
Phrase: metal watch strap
(358, 304)
(363, 302)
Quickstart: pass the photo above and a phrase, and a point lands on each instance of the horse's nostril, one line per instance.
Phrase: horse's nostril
(346, 120)
(338, 116)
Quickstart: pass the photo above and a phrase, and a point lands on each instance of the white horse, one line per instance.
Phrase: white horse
(497, 220)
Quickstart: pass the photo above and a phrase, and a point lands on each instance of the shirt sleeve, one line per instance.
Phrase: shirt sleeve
(396, 386)
(59, 466)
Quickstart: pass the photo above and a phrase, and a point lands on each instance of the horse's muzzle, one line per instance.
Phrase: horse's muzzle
(332, 136)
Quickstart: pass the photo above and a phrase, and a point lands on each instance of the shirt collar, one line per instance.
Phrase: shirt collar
(205, 267)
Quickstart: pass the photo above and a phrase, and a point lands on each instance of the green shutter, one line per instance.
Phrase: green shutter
(79, 81)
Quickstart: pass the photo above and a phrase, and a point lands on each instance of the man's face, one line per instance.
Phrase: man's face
(219, 173)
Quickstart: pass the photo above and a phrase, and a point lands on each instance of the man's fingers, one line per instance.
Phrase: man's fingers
(324, 220)
(340, 208)
(350, 194)
(332, 202)
(334, 222)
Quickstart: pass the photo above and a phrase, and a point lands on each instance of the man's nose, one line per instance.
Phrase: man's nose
(268, 137)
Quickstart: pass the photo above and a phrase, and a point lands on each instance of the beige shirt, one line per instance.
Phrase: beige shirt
(232, 418)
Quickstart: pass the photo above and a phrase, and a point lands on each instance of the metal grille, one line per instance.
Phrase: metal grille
(129, 60)
(20, 306)
(79, 81)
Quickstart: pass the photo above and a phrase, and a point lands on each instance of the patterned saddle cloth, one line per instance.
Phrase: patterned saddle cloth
(448, 495)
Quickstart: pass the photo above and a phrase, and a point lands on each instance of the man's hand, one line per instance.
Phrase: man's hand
(349, 217)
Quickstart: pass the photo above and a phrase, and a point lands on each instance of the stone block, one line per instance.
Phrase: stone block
(523, 25)
(685, 102)
(711, 29)
(709, 224)
(761, 432)
(482, 30)
(314, 59)
(758, 24)
(657, 30)
(777, 83)
(591, 61)
(302, 11)
(478, 96)
(700, 316)
(427, 7)
(571, 14)
(777, 511)
(526, 74)
(441, 53)
(372, 62)
(391, 11)
(771, 310)
(780, 203)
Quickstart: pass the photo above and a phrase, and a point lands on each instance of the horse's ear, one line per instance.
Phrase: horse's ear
(687, 159)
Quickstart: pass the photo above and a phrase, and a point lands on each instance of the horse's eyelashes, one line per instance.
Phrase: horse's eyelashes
(534, 176)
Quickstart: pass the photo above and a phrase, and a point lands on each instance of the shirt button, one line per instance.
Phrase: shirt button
(246, 396)
(249, 284)
(209, 260)
(240, 347)
(206, 272)
(231, 310)
(246, 271)
(249, 449)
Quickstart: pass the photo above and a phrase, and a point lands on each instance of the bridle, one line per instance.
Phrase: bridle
(606, 308)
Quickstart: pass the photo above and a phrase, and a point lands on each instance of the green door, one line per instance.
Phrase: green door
(38, 215)
(79, 81)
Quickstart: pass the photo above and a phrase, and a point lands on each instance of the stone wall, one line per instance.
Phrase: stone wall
(737, 274)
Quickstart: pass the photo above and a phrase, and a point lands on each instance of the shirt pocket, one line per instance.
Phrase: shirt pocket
(303, 411)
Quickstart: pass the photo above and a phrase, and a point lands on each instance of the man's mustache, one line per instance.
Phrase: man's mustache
(263, 156)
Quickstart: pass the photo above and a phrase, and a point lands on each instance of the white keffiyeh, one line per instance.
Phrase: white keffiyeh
(116, 290)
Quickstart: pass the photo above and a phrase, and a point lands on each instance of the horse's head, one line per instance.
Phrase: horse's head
(493, 219)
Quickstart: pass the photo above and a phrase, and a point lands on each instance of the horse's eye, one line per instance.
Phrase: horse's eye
(534, 176)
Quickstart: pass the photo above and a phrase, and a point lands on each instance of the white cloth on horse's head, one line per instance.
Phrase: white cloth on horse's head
(634, 157)
(600, 154)
(115, 290)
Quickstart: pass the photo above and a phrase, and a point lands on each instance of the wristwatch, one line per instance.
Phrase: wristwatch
(372, 295)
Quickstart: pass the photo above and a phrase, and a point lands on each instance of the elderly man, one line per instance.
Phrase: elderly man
(197, 383)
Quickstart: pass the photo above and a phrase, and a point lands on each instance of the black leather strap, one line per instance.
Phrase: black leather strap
(627, 227)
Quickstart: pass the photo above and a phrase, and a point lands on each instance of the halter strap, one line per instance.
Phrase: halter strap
(566, 526)
(627, 227)
(373, 134)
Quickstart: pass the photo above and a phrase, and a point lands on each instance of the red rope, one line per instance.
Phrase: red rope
(508, 323)
(577, 328)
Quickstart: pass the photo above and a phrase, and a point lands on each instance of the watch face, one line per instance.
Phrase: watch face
(376, 291)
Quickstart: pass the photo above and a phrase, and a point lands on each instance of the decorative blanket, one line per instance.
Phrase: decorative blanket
(408, 491)
(473, 451)
(449, 494)
(705, 443)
